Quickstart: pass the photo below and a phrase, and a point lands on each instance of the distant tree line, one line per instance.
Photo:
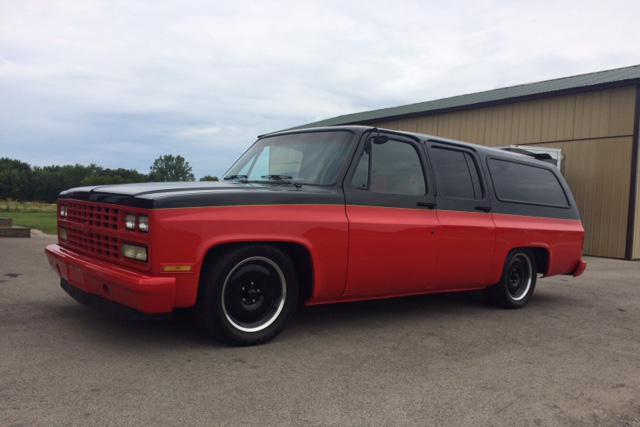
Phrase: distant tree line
(21, 181)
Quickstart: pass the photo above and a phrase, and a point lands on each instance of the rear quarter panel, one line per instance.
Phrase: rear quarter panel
(561, 238)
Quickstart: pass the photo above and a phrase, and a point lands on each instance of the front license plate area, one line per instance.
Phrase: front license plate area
(76, 275)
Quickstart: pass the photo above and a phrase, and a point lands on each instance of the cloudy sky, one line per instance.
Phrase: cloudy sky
(121, 82)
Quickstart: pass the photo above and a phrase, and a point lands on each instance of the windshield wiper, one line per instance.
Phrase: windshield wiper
(282, 178)
(239, 178)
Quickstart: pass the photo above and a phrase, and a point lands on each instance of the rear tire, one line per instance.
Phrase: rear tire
(517, 283)
(248, 295)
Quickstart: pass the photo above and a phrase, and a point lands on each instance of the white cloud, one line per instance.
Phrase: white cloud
(119, 83)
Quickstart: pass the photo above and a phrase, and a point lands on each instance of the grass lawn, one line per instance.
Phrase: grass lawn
(43, 221)
(41, 216)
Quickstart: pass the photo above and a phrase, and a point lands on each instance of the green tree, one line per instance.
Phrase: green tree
(15, 179)
(114, 176)
(47, 182)
(209, 178)
(170, 168)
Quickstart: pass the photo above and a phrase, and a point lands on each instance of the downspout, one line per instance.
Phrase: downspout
(632, 233)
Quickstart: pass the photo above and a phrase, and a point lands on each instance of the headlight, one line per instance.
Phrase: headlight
(62, 232)
(138, 253)
(130, 221)
(143, 223)
(63, 211)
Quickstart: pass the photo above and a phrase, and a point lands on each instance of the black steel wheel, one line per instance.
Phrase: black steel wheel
(518, 280)
(253, 294)
(249, 295)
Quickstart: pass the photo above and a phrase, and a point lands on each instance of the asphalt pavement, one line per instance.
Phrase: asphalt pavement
(570, 358)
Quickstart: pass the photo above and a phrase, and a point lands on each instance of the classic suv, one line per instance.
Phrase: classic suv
(321, 215)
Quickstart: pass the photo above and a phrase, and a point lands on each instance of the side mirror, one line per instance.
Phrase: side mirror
(380, 139)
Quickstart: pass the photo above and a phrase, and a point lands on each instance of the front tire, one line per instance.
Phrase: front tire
(518, 281)
(248, 295)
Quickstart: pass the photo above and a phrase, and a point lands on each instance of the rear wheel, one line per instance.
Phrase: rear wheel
(249, 295)
(518, 281)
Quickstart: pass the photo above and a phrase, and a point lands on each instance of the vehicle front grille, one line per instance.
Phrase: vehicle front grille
(93, 229)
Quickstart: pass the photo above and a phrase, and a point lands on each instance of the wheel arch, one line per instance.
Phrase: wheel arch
(542, 258)
(299, 254)
(540, 253)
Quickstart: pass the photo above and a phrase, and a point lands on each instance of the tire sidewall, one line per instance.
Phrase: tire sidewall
(507, 298)
(214, 317)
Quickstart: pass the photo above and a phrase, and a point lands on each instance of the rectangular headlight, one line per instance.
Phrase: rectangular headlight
(138, 253)
(143, 223)
(63, 211)
(130, 221)
(62, 232)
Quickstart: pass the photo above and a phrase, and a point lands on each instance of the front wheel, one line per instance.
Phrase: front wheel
(518, 281)
(249, 295)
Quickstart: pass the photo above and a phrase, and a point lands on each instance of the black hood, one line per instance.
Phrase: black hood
(150, 188)
(162, 195)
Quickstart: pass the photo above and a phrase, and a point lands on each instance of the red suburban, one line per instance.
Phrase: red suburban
(320, 215)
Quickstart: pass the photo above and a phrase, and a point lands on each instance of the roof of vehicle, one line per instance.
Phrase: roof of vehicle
(418, 136)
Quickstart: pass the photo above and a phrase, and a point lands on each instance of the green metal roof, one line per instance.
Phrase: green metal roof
(625, 75)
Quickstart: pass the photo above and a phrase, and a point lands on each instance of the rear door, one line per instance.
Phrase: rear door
(393, 239)
(467, 231)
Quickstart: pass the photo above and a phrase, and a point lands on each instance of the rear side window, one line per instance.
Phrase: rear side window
(522, 183)
(456, 174)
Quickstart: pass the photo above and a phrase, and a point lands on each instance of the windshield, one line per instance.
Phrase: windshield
(302, 158)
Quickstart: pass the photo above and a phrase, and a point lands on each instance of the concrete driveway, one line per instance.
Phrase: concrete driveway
(570, 358)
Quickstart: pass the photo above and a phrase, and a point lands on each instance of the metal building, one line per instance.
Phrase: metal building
(593, 118)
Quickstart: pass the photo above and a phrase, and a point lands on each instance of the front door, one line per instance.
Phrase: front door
(393, 239)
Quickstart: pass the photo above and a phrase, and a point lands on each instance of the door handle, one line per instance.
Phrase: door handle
(427, 205)
(483, 208)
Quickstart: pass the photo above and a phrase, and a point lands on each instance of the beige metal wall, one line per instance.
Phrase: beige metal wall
(598, 172)
(594, 131)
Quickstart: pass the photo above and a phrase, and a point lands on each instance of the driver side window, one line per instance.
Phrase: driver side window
(393, 167)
